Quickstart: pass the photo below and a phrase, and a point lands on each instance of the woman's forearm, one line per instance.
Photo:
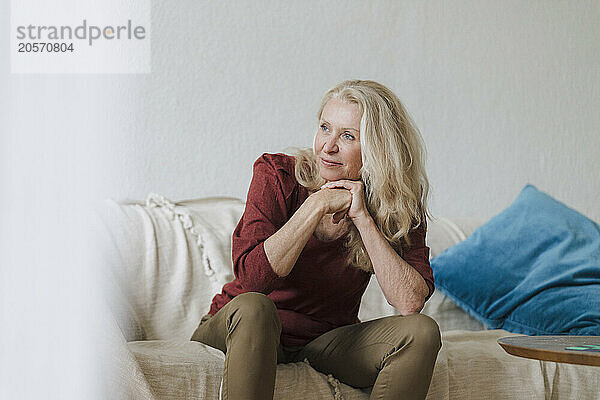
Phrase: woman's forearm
(404, 288)
(284, 246)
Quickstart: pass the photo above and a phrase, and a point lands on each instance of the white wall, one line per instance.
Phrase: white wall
(505, 93)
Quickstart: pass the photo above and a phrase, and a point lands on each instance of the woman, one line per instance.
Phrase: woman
(315, 227)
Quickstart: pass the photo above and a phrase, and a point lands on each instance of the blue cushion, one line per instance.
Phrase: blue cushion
(532, 269)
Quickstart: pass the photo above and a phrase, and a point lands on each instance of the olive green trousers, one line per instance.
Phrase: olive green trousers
(395, 354)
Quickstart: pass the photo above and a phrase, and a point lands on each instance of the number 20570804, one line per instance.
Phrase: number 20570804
(47, 47)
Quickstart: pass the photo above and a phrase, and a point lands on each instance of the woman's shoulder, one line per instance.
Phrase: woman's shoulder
(279, 168)
(277, 161)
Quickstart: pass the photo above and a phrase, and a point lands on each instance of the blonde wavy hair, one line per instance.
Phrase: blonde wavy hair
(393, 166)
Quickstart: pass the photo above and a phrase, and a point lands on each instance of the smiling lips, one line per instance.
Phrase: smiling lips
(329, 163)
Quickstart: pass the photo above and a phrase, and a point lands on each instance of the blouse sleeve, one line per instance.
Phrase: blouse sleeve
(418, 256)
(264, 214)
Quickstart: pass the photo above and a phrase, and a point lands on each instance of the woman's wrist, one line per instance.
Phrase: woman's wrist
(315, 202)
(363, 222)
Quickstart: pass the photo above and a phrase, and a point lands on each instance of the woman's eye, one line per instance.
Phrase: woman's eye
(348, 136)
(323, 127)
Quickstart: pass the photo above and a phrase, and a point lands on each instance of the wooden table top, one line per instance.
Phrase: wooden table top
(583, 350)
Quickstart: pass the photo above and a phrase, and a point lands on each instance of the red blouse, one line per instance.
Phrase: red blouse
(320, 293)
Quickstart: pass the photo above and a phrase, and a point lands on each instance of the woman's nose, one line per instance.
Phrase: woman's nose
(331, 144)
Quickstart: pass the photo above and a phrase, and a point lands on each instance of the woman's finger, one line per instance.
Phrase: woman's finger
(338, 216)
(341, 183)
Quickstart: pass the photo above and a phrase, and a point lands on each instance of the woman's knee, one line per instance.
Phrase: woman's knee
(421, 329)
(426, 331)
(257, 309)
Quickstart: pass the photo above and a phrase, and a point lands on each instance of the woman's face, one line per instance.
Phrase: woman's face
(337, 143)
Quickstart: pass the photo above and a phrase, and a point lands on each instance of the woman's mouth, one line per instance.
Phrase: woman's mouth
(328, 163)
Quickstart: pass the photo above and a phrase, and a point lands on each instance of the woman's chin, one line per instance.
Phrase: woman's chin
(330, 177)
(333, 178)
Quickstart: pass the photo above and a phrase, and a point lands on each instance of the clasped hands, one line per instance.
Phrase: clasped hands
(345, 197)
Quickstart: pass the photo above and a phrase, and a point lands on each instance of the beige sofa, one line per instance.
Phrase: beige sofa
(166, 260)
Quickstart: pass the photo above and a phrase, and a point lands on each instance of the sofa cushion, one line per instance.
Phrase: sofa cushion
(193, 370)
(533, 269)
(470, 365)
(478, 367)
(448, 315)
(167, 260)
